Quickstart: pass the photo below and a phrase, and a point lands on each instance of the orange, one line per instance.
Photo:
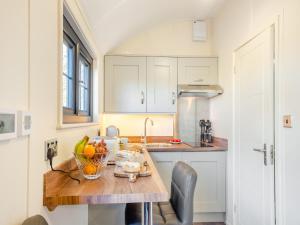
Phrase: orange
(89, 169)
(89, 151)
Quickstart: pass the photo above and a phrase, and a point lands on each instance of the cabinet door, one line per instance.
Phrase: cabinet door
(161, 84)
(125, 84)
(198, 71)
(210, 188)
(164, 162)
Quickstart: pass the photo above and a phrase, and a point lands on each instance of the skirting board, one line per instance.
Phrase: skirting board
(209, 217)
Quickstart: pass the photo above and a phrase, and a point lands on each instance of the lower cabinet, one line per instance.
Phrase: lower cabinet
(164, 162)
(210, 191)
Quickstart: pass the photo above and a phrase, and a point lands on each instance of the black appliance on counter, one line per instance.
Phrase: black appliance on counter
(205, 131)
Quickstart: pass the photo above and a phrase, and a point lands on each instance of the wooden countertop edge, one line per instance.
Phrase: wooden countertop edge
(53, 200)
(213, 149)
(219, 145)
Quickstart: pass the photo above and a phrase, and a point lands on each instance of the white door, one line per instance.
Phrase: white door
(125, 84)
(198, 71)
(161, 84)
(254, 129)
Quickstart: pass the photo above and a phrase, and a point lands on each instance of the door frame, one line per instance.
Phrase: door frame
(279, 167)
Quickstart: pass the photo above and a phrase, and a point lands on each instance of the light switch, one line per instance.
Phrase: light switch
(287, 121)
(8, 124)
(24, 123)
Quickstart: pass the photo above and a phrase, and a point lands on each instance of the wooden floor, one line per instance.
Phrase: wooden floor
(209, 223)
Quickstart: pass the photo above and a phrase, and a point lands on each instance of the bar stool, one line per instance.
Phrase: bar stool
(179, 210)
(35, 220)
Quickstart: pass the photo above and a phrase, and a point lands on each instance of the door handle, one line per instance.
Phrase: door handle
(173, 97)
(259, 150)
(143, 97)
(264, 151)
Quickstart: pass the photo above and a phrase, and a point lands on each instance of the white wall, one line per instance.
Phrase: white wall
(115, 20)
(167, 39)
(238, 21)
(30, 68)
(13, 95)
(133, 125)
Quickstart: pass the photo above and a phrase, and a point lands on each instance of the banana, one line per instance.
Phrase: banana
(79, 149)
(77, 145)
(81, 144)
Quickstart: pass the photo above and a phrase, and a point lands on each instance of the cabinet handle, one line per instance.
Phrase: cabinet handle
(173, 97)
(143, 98)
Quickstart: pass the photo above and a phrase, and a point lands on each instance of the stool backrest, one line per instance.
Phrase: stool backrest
(35, 220)
(183, 184)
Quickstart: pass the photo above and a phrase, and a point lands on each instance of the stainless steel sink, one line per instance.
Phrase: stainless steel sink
(158, 145)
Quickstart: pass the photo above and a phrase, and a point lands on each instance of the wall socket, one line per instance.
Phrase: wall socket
(51, 144)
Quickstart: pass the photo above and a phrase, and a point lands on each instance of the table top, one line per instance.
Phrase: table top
(59, 189)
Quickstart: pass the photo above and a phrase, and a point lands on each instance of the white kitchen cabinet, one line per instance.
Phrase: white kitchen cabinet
(210, 196)
(198, 71)
(164, 162)
(161, 84)
(125, 84)
(211, 182)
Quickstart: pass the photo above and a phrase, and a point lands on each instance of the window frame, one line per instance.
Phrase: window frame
(75, 115)
(72, 110)
(86, 62)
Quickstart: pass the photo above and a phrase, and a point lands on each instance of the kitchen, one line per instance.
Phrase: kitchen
(222, 73)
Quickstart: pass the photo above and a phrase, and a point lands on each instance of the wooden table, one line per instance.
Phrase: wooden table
(59, 189)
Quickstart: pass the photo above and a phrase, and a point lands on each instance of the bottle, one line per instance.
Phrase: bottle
(202, 130)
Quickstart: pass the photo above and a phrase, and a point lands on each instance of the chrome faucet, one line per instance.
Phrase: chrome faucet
(145, 128)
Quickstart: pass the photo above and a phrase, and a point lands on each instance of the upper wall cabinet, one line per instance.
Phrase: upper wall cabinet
(161, 84)
(125, 84)
(149, 84)
(198, 71)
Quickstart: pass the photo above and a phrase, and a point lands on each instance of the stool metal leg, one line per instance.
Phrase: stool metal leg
(147, 213)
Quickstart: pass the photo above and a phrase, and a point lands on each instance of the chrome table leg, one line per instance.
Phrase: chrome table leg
(147, 213)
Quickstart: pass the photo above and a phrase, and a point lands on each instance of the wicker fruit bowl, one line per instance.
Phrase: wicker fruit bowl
(92, 159)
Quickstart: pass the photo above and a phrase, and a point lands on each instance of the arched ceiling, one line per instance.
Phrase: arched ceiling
(113, 21)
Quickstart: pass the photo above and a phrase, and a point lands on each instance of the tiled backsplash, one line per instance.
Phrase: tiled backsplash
(190, 111)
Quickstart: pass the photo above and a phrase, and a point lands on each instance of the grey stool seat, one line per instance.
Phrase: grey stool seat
(179, 210)
(35, 220)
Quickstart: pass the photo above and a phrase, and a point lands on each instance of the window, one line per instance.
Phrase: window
(77, 79)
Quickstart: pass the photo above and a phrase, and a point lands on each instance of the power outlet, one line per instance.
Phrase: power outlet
(51, 144)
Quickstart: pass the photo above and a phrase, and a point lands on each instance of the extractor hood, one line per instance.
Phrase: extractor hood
(208, 91)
